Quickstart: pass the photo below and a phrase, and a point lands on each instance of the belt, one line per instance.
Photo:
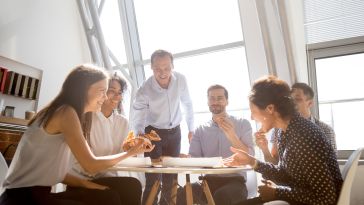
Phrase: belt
(164, 130)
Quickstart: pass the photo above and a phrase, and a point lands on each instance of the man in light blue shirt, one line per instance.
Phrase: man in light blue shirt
(214, 139)
(157, 107)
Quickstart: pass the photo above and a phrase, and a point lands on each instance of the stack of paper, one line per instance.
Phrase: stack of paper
(135, 162)
(192, 162)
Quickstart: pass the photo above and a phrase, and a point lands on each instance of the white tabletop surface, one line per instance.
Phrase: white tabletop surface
(183, 170)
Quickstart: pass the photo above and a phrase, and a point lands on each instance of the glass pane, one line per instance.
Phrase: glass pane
(340, 78)
(169, 24)
(111, 28)
(227, 68)
(331, 83)
(346, 119)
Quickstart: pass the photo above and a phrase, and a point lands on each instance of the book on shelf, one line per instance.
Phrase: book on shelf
(18, 85)
(3, 75)
(33, 88)
(25, 87)
(35, 91)
(13, 86)
(9, 82)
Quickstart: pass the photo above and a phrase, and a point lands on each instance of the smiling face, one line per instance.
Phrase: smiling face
(162, 70)
(96, 95)
(264, 117)
(114, 95)
(217, 101)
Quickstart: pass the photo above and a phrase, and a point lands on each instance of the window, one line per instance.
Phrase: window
(341, 98)
(112, 31)
(179, 26)
(227, 68)
(338, 73)
(206, 38)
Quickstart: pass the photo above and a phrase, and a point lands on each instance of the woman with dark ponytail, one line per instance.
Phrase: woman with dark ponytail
(308, 172)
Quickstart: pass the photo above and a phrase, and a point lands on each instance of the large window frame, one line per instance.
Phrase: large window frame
(335, 48)
(134, 67)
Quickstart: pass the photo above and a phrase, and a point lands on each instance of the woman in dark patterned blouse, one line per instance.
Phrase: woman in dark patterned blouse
(308, 172)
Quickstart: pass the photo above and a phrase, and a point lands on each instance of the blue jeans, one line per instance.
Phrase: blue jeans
(170, 145)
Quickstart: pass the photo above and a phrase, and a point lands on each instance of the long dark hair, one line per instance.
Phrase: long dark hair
(73, 93)
(271, 90)
(87, 118)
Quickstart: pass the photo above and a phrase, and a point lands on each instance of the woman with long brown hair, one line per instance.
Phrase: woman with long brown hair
(43, 154)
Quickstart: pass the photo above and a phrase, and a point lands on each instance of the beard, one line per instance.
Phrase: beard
(216, 109)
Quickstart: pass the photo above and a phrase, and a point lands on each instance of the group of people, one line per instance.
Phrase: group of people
(75, 138)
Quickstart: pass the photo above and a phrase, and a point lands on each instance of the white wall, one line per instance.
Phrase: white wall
(45, 34)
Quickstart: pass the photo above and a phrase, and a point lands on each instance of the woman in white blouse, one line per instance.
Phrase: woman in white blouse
(108, 131)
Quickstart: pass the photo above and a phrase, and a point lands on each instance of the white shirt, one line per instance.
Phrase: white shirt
(106, 138)
(160, 107)
(107, 134)
(41, 159)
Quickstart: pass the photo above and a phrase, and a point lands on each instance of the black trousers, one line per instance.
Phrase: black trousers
(36, 195)
(123, 190)
(224, 191)
(170, 145)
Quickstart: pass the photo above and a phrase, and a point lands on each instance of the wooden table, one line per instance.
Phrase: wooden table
(182, 170)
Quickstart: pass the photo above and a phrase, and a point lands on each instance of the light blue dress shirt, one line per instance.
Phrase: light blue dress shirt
(210, 141)
(159, 107)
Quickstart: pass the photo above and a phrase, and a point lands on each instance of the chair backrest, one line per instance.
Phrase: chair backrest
(3, 171)
(251, 183)
(348, 174)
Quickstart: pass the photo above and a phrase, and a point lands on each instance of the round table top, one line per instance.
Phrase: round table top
(183, 170)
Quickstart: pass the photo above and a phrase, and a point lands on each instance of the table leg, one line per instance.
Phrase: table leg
(153, 192)
(189, 198)
(174, 192)
(206, 189)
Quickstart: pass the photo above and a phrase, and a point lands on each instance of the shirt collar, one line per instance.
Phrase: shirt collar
(156, 85)
(102, 117)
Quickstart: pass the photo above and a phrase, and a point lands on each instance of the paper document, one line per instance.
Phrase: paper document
(135, 162)
(192, 162)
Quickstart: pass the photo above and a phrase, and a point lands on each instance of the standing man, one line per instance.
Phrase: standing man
(302, 95)
(214, 139)
(157, 107)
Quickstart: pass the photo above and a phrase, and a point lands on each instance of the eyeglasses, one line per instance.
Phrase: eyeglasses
(114, 93)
